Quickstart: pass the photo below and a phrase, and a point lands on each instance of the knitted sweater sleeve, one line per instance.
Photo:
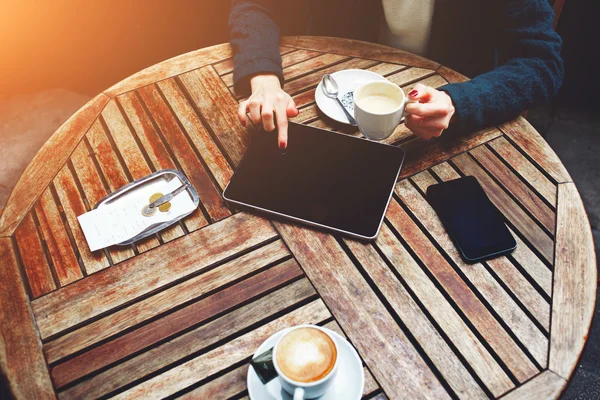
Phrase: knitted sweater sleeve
(254, 37)
(531, 75)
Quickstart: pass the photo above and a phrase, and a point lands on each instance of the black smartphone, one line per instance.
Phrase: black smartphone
(473, 222)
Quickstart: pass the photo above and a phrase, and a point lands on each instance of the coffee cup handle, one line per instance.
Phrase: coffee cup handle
(299, 394)
(404, 113)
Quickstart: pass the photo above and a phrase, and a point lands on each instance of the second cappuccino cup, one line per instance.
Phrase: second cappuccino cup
(379, 108)
(306, 361)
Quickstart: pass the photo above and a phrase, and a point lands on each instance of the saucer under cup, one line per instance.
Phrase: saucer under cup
(347, 80)
(348, 384)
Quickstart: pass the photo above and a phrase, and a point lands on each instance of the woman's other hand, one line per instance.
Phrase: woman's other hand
(268, 105)
(430, 114)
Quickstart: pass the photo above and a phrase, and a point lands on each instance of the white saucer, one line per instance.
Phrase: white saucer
(348, 384)
(347, 80)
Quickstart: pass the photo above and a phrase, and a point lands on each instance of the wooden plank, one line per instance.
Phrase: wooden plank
(193, 342)
(311, 65)
(125, 142)
(410, 75)
(422, 154)
(161, 303)
(46, 163)
(503, 268)
(511, 210)
(156, 151)
(107, 159)
(488, 327)
(147, 272)
(312, 80)
(386, 69)
(451, 75)
(370, 383)
(224, 67)
(526, 138)
(207, 148)
(308, 114)
(54, 233)
(575, 282)
(207, 191)
(527, 198)
(533, 265)
(480, 277)
(223, 387)
(546, 385)
(522, 254)
(438, 351)
(435, 81)
(382, 345)
(171, 67)
(219, 109)
(73, 206)
(522, 289)
(131, 154)
(525, 169)
(175, 323)
(21, 358)
(357, 48)
(34, 259)
(91, 182)
(302, 67)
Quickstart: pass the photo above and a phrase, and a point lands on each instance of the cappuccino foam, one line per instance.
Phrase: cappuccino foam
(306, 355)
(379, 104)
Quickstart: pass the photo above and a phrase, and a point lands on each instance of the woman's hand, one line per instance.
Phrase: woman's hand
(431, 114)
(267, 103)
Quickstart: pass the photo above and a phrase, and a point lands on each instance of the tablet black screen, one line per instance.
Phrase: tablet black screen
(324, 178)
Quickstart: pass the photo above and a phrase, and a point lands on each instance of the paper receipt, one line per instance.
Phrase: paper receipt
(112, 224)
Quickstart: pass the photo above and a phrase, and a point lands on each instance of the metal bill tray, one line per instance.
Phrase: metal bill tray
(132, 190)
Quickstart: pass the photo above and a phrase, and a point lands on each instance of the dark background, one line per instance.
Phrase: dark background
(87, 46)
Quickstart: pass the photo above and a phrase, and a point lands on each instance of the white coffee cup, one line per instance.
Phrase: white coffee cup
(305, 390)
(379, 108)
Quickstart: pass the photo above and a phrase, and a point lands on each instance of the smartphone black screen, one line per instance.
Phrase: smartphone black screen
(471, 219)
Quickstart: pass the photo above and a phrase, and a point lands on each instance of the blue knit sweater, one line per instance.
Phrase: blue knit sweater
(529, 71)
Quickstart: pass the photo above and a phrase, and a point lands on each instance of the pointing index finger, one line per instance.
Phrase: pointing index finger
(282, 125)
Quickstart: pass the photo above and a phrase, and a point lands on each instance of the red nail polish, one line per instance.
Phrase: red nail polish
(413, 93)
(282, 145)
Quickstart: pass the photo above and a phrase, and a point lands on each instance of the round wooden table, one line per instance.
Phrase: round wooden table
(181, 313)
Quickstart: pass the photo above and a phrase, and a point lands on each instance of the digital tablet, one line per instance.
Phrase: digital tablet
(326, 179)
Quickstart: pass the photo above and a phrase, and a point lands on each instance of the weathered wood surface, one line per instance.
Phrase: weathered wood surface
(46, 163)
(21, 358)
(546, 385)
(361, 314)
(34, 258)
(180, 313)
(575, 283)
(102, 292)
(520, 132)
(53, 232)
(357, 48)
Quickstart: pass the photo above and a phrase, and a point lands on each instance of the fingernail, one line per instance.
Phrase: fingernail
(413, 93)
(282, 145)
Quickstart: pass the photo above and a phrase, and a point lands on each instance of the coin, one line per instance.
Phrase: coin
(164, 207)
(155, 197)
(148, 212)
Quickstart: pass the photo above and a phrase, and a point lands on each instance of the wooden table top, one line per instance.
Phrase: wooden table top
(180, 313)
